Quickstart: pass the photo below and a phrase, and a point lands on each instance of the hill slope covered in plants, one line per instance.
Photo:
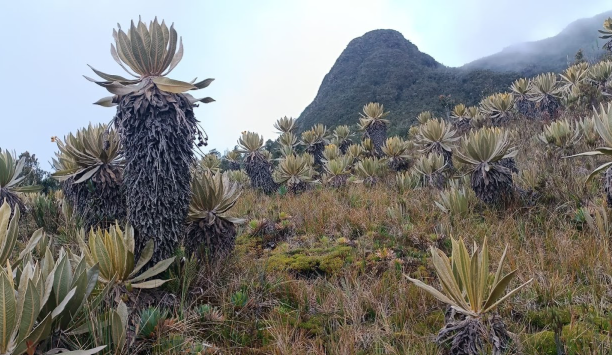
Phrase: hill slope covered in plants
(382, 66)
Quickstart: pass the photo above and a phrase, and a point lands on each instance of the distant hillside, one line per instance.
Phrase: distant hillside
(550, 54)
(383, 66)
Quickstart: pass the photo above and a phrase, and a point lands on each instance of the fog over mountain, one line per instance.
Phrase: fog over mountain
(383, 66)
(550, 54)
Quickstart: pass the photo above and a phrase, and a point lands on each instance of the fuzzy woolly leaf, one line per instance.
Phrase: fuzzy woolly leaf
(150, 284)
(171, 85)
(155, 270)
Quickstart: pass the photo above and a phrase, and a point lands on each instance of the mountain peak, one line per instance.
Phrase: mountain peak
(386, 40)
(382, 66)
(383, 38)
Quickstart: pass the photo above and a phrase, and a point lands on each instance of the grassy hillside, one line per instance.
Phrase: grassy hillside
(328, 277)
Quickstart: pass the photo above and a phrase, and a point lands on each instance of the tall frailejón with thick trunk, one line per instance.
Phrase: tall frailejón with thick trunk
(374, 125)
(256, 165)
(158, 130)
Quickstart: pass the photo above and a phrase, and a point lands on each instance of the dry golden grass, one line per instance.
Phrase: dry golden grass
(363, 305)
(332, 282)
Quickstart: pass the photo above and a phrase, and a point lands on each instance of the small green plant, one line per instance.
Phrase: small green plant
(562, 134)
(406, 181)
(208, 313)
(45, 209)
(150, 318)
(113, 251)
(204, 310)
(370, 170)
(431, 169)
(438, 137)
(182, 272)
(498, 107)
(454, 201)
(240, 299)
(473, 294)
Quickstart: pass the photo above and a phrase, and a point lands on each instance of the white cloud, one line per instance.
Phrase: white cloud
(269, 57)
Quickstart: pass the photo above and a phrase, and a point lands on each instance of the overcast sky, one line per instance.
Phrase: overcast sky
(268, 57)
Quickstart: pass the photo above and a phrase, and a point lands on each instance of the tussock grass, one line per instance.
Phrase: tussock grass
(304, 298)
(325, 274)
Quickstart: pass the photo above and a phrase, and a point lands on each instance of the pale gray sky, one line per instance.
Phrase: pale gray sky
(268, 56)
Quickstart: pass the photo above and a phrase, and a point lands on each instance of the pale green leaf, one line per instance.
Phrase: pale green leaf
(171, 85)
(60, 307)
(155, 270)
(7, 311)
(106, 101)
(150, 284)
(145, 256)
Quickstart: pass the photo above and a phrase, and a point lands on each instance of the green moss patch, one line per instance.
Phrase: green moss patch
(311, 261)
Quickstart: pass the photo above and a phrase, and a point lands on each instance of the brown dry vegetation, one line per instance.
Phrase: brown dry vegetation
(323, 272)
(327, 276)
